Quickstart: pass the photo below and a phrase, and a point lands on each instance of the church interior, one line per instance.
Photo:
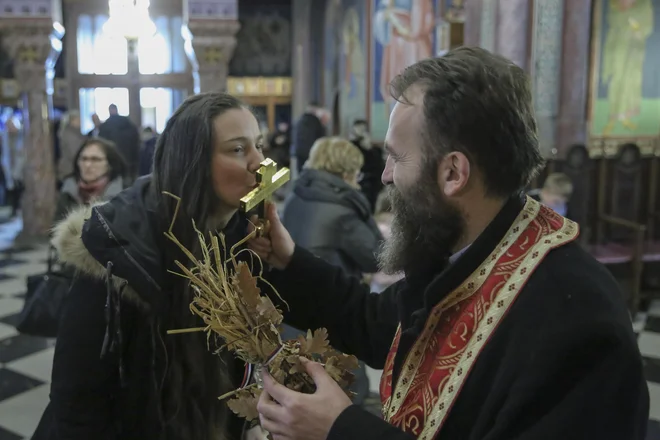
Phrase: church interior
(67, 67)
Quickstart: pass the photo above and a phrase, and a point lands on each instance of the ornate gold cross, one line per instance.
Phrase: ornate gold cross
(212, 55)
(269, 180)
(28, 54)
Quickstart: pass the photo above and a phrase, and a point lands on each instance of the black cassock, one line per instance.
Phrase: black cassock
(563, 363)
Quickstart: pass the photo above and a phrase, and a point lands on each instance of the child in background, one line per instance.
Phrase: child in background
(555, 194)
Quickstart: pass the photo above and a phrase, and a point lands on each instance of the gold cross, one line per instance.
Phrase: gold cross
(212, 55)
(28, 54)
(269, 180)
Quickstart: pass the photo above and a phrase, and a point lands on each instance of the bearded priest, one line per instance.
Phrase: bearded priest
(504, 327)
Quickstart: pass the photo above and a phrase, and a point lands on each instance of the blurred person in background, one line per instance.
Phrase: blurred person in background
(279, 145)
(147, 151)
(13, 163)
(96, 120)
(97, 176)
(374, 162)
(327, 214)
(124, 134)
(556, 192)
(70, 139)
(309, 127)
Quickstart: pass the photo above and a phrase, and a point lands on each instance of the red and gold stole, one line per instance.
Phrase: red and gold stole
(458, 327)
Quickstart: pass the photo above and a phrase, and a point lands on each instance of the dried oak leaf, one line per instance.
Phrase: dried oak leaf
(245, 405)
(267, 347)
(295, 365)
(314, 344)
(278, 374)
(346, 361)
(246, 284)
(267, 309)
(334, 368)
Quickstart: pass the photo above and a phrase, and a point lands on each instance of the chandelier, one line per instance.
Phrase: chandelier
(129, 19)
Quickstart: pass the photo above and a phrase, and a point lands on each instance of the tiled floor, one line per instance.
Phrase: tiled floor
(25, 362)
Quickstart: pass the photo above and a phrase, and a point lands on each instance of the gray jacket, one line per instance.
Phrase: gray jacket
(333, 220)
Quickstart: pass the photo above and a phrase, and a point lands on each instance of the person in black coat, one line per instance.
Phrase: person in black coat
(374, 163)
(327, 214)
(503, 327)
(116, 373)
(125, 135)
(147, 151)
(279, 145)
(306, 131)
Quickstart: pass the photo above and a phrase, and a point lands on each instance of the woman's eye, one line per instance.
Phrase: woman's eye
(239, 149)
(260, 147)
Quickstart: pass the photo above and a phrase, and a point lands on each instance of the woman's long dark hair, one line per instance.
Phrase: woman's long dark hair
(193, 377)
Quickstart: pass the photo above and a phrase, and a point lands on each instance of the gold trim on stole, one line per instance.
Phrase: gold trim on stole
(505, 298)
(472, 284)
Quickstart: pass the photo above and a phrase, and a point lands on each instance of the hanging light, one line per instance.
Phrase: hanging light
(129, 19)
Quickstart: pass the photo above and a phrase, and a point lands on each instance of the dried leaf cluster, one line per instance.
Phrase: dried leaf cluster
(238, 318)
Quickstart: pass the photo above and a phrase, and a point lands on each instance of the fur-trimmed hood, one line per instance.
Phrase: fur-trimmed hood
(117, 239)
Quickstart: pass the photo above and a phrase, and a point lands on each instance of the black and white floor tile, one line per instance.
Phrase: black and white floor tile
(25, 362)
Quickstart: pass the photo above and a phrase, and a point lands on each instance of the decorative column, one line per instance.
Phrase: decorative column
(210, 33)
(472, 26)
(546, 69)
(571, 123)
(487, 24)
(302, 57)
(32, 33)
(513, 18)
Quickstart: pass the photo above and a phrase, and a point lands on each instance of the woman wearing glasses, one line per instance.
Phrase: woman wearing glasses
(97, 171)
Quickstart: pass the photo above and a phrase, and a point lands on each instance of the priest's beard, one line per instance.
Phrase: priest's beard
(425, 229)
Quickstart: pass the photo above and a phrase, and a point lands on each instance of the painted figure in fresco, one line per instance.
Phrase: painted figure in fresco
(455, 11)
(630, 23)
(354, 73)
(405, 30)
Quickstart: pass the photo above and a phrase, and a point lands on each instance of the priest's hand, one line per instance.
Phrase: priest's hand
(290, 415)
(276, 246)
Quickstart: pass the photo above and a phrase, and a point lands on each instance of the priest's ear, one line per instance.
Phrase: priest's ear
(453, 173)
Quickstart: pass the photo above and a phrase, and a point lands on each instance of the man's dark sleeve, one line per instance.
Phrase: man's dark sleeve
(580, 383)
(319, 294)
(356, 423)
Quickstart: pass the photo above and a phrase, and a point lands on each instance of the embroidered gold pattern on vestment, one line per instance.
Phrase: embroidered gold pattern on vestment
(457, 328)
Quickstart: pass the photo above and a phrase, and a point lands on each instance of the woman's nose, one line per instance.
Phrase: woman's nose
(255, 160)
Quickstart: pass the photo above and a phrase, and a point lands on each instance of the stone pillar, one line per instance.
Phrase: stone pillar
(302, 58)
(546, 69)
(472, 26)
(572, 120)
(210, 34)
(488, 25)
(34, 44)
(513, 17)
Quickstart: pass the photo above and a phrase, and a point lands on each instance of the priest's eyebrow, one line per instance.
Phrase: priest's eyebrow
(389, 150)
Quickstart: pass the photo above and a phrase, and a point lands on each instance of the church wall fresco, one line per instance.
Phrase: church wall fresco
(353, 64)
(625, 71)
(402, 33)
(331, 55)
(264, 40)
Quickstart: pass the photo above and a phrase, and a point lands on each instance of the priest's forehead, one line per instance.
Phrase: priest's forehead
(405, 130)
